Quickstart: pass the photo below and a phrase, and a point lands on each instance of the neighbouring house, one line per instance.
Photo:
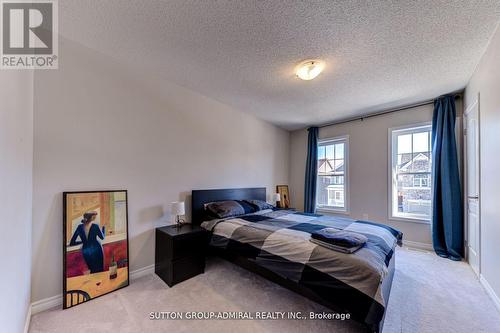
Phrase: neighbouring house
(414, 183)
(330, 191)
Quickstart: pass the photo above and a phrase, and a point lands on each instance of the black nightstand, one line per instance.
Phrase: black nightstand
(180, 252)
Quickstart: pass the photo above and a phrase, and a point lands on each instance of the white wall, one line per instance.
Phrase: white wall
(16, 162)
(100, 125)
(368, 166)
(486, 81)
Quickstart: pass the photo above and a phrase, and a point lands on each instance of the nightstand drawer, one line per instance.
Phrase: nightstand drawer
(186, 268)
(173, 272)
(194, 245)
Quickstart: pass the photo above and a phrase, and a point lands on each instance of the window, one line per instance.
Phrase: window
(411, 158)
(331, 187)
(421, 180)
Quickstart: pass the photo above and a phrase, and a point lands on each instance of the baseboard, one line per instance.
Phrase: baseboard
(138, 273)
(27, 320)
(490, 291)
(55, 301)
(418, 245)
(46, 303)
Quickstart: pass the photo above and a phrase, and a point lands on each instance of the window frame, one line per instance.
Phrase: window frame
(346, 208)
(391, 172)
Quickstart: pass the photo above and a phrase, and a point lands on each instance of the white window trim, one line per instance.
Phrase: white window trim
(346, 209)
(390, 180)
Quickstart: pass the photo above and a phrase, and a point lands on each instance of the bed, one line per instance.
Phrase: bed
(274, 243)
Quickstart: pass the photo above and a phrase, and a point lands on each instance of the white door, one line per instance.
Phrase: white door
(472, 189)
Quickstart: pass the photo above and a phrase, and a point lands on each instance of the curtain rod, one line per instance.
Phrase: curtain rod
(383, 112)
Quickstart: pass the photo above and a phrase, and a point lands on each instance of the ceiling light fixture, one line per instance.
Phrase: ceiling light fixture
(309, 69)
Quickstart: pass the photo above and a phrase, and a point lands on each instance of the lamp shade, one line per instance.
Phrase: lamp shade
(276, 197)
(178, 208)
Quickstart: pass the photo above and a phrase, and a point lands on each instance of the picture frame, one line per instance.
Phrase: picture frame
(284, 196)
(95, 244)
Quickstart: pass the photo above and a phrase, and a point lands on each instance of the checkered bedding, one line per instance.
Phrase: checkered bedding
(279, 241)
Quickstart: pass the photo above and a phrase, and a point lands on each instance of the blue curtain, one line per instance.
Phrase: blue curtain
(311, 171)
(447, 215)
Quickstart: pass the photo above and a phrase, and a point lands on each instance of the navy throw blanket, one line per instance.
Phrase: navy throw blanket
(337, 237)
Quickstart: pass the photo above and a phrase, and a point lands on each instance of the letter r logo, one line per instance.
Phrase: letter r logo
(27, 28)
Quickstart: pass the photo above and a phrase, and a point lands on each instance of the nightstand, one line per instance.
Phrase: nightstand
(180, 252)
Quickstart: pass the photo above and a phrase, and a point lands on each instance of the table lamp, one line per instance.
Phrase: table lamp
(178, 209)
(276, 199)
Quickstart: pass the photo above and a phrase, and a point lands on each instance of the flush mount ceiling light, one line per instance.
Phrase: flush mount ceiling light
(309, 69)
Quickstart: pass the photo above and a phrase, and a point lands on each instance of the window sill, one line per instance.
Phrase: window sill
(409, 219)
(333, 211)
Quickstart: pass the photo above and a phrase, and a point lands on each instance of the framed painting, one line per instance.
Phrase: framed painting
(284, 196)
(95, 245)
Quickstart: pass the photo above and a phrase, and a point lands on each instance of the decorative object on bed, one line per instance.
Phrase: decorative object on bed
(339, 240)
(339, 237)
(282, 190)
(95, 258)
(178, 209)
(447, 219)
(280, 250)
(276, 198)
(342, 249)
(311, 171)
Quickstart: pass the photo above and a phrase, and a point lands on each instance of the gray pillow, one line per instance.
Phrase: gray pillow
(259, 204)
(223, 209)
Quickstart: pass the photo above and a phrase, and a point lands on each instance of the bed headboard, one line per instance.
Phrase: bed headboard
(201, 197)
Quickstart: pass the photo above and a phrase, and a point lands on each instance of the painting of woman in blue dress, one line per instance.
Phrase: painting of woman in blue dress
(88, 232)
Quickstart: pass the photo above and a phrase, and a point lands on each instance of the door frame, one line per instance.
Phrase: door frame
(475, 103)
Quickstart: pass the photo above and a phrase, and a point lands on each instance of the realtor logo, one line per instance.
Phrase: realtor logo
(29, 34)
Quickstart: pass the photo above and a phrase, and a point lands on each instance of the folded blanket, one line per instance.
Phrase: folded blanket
(342, 238)
(342, 249)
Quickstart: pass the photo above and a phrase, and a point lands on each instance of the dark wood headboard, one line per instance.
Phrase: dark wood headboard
(201, 197)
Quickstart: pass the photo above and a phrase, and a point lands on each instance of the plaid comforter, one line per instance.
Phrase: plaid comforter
(279, 241)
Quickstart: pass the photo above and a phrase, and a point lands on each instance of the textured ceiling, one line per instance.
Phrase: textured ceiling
(379, 54)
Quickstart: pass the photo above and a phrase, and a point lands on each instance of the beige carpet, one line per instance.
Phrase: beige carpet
(429, 294)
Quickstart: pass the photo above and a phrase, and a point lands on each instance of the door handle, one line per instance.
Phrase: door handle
(474, 197)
